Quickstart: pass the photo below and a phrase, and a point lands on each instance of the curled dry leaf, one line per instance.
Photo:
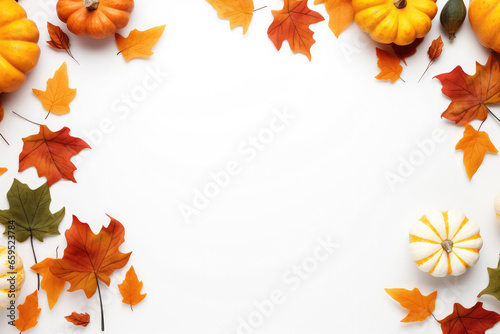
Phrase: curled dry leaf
(58, 96)
(390, 68)
(52, 285)
(58, 39)
(420, 306)
(475, 144)
(50, 153)
(434, 52)
(78, 319)
(131, 288)
(470, 94)
(474, 320)
(341, 14)
(238, 12)
(405, 51)
(28, 313)
(138, 44)
(292, 24)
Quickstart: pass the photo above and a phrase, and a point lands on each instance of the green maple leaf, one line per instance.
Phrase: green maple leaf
(30, 212)
(493, 288)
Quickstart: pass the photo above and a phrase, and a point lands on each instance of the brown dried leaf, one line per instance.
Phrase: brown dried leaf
(58, 39)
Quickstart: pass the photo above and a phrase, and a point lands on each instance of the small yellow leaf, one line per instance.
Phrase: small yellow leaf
(138, 44)
(420, 306)
(238, 12)
(58, 96)
(475, 144)
(341, 14)
(131, 289)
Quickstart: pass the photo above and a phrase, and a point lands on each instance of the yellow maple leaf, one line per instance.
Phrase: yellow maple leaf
(341, 14)
(58, 96)
(390, 68)
(238, 12)
(475, 144)
(138, 44)
(420, 306)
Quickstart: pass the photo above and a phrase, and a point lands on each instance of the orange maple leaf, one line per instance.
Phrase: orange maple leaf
(238, 12)
(131, 289)
(50, 152)
(475, 144)
(52, 285)
(28, 313)
(78, 319)
(138, 44)
(420, 306)
(292, 24)
(390, 68)
(58, 95)
(470, 94)
(341, 14)
(2, 170)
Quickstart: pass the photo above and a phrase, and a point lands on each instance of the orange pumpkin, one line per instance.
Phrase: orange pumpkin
(19, 51)
(95, 18)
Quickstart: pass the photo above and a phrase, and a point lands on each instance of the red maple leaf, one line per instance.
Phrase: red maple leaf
(474, 320)
(292, 24)
(50, 153)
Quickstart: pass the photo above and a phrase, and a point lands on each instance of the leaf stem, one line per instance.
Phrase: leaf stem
(434, 317)
(34, 255)
(47, 115)
(100, 301)
(5, 140)
(15, 113)
(480, 125)
(428, 66)
(492, 114)
(259, 8)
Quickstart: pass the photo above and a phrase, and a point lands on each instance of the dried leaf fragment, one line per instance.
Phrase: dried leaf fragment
(389, 65)
(59, 39)
(78, 319)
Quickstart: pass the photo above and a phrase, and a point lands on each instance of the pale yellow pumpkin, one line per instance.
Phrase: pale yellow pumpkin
(11, 276)
(445, 243)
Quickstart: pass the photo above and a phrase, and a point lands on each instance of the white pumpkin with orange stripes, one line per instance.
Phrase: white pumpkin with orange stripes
(445, 243)
(11, 276)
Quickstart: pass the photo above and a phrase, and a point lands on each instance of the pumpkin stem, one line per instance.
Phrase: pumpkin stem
(447, 245)
(91, 4)
(400, 4)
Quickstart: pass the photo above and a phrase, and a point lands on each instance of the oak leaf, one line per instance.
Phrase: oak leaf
(475, 144)
(78, 319)
(493, 288)
(3, 170)
(341, 14)
(420, 306)
(50, 153)
(30, 210)
(138, 44)
(131, 288)
(475, 320)
(390, 68)
(405, 51)
(52, 285)
(238, 12)
(470, 94)
(28, 313)
(292, 24)
(58, 96)
(58, 39)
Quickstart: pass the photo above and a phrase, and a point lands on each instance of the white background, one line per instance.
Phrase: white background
(323, 176)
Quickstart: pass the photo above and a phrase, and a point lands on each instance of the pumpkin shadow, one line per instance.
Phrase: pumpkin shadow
(90, 43)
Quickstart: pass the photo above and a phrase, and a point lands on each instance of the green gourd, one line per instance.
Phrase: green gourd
(452, 16)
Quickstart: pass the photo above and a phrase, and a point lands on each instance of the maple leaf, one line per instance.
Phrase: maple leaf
(3, 170)
(475, 144)
(420, 306)
(131, 289)
(238, 12)
(434, 52)
(90, 258)
(78, 319)
(341, 14)
(493, 288)
(50, 153)
(405, 51)
(28, 313)
(52, 285)
(390, 68)
(292, 24)
(58, 96)
(475, 320)
(470, 94)
(58, 39)
(138, 44)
